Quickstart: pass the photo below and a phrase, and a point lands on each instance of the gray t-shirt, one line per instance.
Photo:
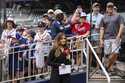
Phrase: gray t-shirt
(111, 25)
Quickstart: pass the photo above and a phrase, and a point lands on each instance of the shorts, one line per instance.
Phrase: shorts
(111, 46)
(39, 59)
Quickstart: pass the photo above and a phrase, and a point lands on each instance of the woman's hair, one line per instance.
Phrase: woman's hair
(5, 24)
(57, 39)
(57, 44)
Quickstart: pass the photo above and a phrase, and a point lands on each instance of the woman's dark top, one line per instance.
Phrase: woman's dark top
(55, 62)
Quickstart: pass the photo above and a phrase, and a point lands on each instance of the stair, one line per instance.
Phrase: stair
(105, 81)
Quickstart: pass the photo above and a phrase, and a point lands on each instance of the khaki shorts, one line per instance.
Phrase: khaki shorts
(111, 46)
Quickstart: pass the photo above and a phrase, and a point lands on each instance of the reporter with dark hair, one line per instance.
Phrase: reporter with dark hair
(59, 56)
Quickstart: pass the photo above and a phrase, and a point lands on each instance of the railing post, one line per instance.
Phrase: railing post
(87, 62)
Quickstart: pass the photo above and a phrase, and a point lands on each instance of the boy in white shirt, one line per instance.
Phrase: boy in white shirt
(42, 39)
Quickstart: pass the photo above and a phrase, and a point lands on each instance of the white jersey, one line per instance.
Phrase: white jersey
(42, 47)
(7, 33)
(42, 40)
(4, 36)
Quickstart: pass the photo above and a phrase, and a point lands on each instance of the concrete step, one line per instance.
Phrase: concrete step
(105, 81)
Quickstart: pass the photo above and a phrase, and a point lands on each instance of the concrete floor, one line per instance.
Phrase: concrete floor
(104, 81)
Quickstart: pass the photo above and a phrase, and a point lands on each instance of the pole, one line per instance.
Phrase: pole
(91, 26)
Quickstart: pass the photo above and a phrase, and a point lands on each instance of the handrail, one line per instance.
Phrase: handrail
(101, 65)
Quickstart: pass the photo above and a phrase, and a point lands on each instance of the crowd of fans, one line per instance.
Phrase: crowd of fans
(16, 41)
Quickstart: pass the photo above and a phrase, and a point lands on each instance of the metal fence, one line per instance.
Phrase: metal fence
(18, 62)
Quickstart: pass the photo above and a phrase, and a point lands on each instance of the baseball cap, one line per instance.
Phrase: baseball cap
(10, 19)
(110, 4)
(95, 4)
(45, 15)
(83, 14)
(50, 11)
(58, 11)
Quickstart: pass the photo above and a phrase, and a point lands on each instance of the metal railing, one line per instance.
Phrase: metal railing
(19, 63)
(99, 61)
(86, 53)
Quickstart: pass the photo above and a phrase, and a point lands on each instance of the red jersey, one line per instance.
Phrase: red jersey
(80, 29)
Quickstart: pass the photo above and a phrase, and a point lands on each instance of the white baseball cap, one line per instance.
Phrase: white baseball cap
(10, 19)
(58, 11)
(50, 11)
(83, 14)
